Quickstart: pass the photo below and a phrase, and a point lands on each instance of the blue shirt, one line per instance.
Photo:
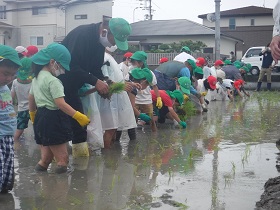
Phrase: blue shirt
(8, 120)
(267, 59)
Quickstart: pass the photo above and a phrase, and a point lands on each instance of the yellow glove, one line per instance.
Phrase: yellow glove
(32, 116)
(82, 119)
(203, 93)
(159, 103)
(186, 97)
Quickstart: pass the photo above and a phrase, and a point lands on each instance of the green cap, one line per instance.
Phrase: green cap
(227, 62)
(185, 49)
(237, 62)
(249, 66)
(55, 51)
(120, 29)
(144, 73)
(140, 56)
(185, 84)
(192, 63)
(245, 68)
(9, 53)
(24, 71)
(179, 96)
(198, 70)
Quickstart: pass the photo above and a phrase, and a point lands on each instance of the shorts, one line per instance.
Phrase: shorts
(22, 119)
(52, 127)
(145, 108)
(161, 113)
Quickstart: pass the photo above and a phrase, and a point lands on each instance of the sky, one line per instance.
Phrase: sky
(179, 9)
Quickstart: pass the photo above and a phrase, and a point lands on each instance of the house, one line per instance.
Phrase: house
(79, 12)
(150, 33)
(252, 24)
(41, 22)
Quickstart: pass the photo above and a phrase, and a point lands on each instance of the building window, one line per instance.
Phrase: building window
(37, 40)
(79, 17)
(252, 22)
(3, 12)
(39, 11)
(232, 23)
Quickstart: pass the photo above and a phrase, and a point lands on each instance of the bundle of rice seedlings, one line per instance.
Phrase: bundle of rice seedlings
(116, 87)
(186, 110)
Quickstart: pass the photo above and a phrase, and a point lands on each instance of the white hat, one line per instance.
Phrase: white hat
(20, 49)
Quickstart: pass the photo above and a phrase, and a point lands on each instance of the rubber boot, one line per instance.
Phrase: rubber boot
(118, 135)
(268, 85)
(132, 133)
(80, 150)
(259, 86)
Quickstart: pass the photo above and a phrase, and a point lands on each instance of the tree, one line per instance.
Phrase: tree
(176, 47)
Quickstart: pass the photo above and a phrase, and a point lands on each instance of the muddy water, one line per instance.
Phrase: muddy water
(221, 161)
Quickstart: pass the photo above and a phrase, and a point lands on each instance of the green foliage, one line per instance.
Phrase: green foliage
(195, 46)
(186, 110)
(116, 87)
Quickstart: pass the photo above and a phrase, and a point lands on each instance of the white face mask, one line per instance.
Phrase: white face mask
(112, 49)
(59, 70)
(104, 39)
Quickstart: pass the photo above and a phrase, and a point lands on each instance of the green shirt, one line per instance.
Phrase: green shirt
(45, 88)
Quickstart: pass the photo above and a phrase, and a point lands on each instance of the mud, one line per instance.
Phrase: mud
(221, 161)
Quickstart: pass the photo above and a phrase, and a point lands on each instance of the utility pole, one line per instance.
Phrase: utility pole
(150, 10)
(217, 30)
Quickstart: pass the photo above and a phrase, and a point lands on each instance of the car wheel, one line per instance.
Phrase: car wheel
(255, 71)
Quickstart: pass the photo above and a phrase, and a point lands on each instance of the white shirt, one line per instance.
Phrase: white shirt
(200, 86)
(22, 92)
(183, 56)
(124, 68)
(209, 71)
(226, 84)
(144, 96)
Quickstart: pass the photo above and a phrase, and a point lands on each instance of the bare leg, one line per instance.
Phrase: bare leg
(108, 137)
(18, 133)
(46, 156)
(60, 153)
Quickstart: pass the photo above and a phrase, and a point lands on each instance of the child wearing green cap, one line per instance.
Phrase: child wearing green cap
(20, 90)
(9, 64)
(143, 99)
(48, 110)
(169, 99)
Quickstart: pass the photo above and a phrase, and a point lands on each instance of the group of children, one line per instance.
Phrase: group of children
(40, 97)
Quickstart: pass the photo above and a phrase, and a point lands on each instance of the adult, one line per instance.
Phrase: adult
(232, 57)
(231, 71)
(87, 43)
(275, 42)
(184, 55)
(172, 70)
(266, 68)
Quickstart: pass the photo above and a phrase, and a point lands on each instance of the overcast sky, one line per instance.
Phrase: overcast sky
(180, 9)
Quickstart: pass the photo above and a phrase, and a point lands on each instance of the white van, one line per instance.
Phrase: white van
(252, 56)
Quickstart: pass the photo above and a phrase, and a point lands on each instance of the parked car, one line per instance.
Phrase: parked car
(252, 56)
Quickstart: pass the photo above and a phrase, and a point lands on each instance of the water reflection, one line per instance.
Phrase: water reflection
(219, 159)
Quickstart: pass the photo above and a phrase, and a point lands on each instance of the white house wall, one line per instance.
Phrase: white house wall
(227, 45)
(242, 21)
(94, 12)
(47, 32)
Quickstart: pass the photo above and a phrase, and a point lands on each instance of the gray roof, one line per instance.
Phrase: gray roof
(177, 27)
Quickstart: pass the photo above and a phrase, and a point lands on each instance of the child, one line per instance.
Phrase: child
(52, 127)
(9, 64)
(20, 90)
(143, 100)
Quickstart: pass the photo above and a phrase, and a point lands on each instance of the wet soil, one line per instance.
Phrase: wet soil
(221, 161)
